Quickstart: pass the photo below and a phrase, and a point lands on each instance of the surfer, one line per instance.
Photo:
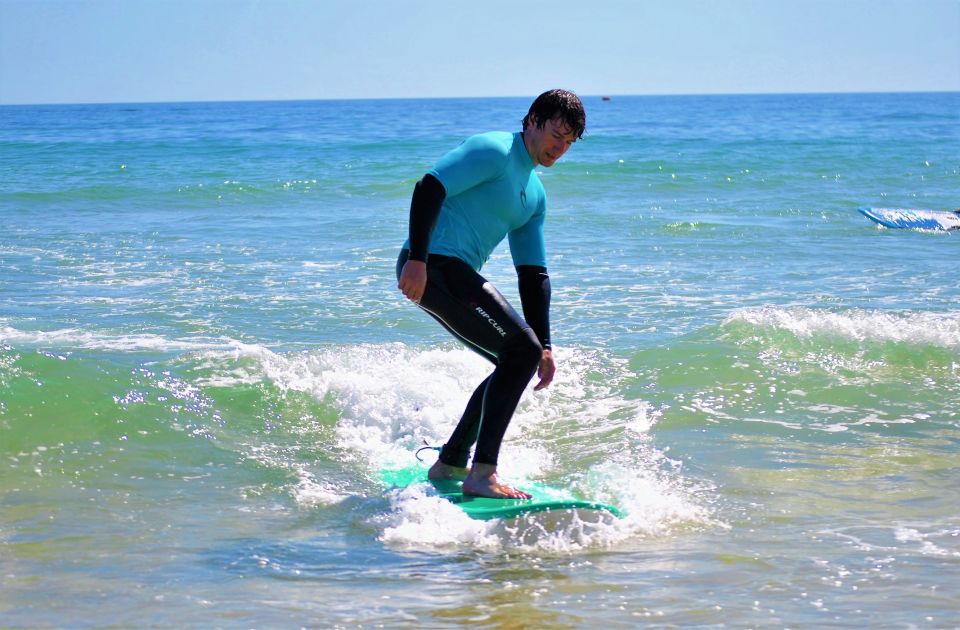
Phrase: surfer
(476, 195)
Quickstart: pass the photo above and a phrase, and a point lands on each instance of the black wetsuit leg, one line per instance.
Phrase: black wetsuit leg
(477, 314)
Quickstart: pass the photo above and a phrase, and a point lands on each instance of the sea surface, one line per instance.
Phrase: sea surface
(206, 368)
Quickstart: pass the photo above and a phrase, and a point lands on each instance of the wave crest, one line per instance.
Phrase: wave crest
(933, 329)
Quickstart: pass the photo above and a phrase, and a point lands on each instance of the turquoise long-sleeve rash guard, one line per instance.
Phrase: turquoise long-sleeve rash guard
(492, 191)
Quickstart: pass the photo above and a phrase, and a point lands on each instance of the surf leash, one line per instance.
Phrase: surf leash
(426, 447)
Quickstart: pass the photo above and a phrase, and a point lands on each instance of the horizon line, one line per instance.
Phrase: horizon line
(438, 98)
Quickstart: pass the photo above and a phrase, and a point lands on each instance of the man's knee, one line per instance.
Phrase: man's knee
(523, 349)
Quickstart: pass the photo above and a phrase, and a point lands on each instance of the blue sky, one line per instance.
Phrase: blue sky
(82, 51)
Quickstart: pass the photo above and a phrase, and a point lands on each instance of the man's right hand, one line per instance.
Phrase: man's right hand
(413, 280)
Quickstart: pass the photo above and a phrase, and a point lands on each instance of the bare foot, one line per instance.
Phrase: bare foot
(483, 482)
(440, 471)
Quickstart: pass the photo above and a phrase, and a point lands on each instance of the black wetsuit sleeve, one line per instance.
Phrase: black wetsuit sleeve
(428, 196)
(534, 286)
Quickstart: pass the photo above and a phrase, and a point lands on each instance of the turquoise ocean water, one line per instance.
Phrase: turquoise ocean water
(204, 363)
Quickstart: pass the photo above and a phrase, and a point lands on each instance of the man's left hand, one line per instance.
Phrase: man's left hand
(545, 370)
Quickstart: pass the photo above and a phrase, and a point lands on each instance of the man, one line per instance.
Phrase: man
(482, 191)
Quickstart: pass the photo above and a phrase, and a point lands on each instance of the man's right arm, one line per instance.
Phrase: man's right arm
(428, 196)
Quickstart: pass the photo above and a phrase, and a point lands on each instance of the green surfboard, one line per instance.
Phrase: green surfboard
(545, 498)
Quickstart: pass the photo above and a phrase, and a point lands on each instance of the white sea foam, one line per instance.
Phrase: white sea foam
(79, 339)
(419, 520)
(896, 537)
(935, 329)
(391, 398)
(310, 491)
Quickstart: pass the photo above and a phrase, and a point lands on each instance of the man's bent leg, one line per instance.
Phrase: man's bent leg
(518, 362)
(456, 452)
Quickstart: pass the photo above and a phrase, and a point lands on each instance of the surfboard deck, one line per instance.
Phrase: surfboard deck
(913, 218)
(545, 498)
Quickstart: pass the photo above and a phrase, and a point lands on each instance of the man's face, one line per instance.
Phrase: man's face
(548, 144)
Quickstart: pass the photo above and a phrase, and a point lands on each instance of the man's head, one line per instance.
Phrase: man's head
(557, 104)
(555, 121)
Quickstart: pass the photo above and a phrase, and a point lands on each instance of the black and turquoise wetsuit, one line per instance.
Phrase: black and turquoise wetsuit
(483, 191)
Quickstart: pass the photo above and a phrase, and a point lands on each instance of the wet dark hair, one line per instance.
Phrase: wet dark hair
(560, 104)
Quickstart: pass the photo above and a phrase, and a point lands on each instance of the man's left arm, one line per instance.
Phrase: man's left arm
(534, 287)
